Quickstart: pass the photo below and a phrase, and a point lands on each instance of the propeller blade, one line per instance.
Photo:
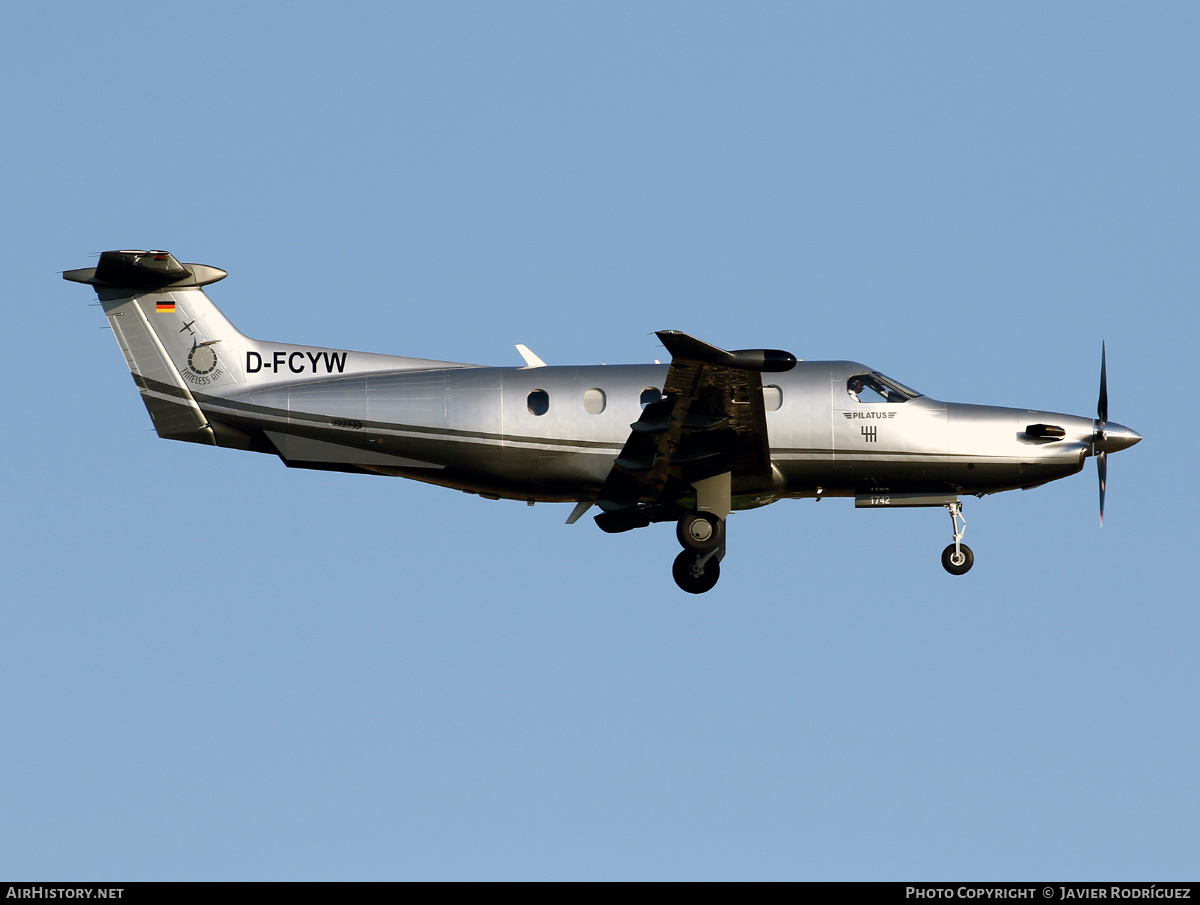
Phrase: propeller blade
(1102, 402)
(1102, 473)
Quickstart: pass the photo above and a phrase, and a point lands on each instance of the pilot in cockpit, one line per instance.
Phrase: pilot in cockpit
(874, 387)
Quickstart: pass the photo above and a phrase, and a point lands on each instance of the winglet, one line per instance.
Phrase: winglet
(531, 360)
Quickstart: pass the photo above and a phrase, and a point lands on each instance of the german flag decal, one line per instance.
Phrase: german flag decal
(165, 307)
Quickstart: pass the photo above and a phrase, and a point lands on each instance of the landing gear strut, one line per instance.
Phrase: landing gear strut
(701, 533)
(957, 558)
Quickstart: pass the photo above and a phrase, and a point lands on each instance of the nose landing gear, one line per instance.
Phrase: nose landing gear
(957, 558)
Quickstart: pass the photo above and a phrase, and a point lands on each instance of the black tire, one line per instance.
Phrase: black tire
(700, 532)
(960, 568)
(683, 571)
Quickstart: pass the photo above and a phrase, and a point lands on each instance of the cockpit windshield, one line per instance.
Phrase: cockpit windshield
(874, 387)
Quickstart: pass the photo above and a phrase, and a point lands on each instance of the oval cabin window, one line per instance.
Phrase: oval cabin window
(772, 398)
(539, 402)
(593, 401)
(649, 395)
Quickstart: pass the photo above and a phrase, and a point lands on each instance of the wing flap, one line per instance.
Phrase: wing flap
(711, 421)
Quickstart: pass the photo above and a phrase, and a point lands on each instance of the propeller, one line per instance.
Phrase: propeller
(1101, 419)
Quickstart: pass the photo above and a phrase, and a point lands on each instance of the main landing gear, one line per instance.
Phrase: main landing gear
(702, 536)
(957, 558)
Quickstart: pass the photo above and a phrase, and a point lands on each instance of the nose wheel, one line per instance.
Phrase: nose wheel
(957, 558)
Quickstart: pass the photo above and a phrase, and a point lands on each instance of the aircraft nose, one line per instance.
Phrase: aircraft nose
(1117, 437)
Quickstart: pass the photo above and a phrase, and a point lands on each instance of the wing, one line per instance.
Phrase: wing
(711, 421)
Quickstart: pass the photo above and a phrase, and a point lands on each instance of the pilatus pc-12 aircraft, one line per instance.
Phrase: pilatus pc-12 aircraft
(689, 442)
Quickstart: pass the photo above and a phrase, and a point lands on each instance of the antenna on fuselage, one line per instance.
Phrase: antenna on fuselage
(531, 360)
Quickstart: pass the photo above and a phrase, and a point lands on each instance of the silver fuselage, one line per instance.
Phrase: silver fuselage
(714, 430)
(472, 428)
(479, 428)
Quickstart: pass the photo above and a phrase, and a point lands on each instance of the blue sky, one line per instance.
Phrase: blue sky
(218, 668)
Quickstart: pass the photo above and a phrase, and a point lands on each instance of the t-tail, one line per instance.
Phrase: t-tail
(182, 350)
(173, 338)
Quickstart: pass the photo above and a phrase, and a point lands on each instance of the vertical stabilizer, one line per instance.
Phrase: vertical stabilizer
(183, 352)
(172, 336)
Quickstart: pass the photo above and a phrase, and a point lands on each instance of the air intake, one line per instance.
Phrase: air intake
(1045, 432)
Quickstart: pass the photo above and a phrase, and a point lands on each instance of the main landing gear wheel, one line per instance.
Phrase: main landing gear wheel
(958, 561)
(696, 572)
(700, 532)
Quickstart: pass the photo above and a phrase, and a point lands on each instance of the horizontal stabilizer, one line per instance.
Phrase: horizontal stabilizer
(146, 270)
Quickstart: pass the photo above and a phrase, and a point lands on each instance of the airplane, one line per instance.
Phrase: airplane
(689, 442)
